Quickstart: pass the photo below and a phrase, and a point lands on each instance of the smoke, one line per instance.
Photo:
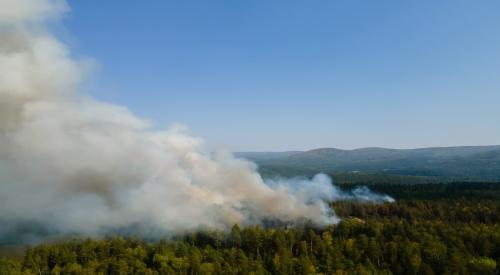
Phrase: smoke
(77, 165)
(321, 187)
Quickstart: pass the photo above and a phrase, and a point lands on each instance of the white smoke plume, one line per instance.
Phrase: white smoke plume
(321, 186)
(78, 165)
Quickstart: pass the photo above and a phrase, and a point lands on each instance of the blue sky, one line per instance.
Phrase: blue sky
(288, 75)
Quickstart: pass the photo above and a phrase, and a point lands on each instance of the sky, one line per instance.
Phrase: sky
(295, 75)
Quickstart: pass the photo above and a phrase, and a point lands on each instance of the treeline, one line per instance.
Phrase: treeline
(452, 235)
(358, 177)
(471, 191)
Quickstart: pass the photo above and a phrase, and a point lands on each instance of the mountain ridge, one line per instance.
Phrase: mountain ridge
(461, 162)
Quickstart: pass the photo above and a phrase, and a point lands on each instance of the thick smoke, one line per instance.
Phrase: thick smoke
(76, 165)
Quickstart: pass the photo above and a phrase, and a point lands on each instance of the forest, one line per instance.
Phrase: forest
(451, 228)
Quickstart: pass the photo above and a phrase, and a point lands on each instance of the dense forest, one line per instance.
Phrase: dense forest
(430, 229)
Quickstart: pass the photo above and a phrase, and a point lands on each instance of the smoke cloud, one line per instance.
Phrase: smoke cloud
(77, 165)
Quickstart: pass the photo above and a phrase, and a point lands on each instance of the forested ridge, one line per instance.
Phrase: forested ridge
(430, 229)
(471, 163)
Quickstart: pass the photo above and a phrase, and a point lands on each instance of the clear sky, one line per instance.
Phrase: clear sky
(288, 75)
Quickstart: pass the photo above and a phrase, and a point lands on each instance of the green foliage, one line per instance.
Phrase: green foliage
(9, 266)
(454, 234)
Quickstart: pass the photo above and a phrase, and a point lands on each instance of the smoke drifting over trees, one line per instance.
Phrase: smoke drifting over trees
(77, 165)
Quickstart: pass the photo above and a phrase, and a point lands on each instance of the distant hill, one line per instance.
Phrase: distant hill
(262, 156)
(460, 163)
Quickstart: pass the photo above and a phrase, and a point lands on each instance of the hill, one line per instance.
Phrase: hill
(456, 163)
(263, 156)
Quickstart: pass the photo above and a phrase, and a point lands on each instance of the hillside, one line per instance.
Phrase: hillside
(263, 156)
(460, 163)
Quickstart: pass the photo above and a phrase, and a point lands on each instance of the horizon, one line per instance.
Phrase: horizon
(295, 75)
(371, 147)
